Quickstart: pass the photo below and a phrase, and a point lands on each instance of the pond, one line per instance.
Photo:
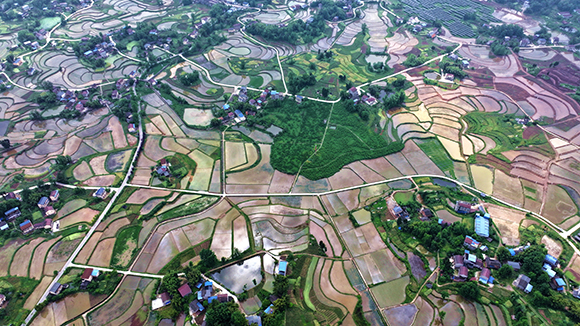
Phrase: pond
(236, 276)
(373, 58)
(432, 75)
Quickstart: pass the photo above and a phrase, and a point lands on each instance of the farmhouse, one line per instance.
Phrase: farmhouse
(353, 92)
(523, 283)
(132, 128)
(43, 202)
(12, 195)
(553, 261)
(462, 275)
(26, 227)
(3, 226)
(89, 274)
(558, 284)
(12, 214)
(54, 195)
(485, 276)
(56, 288)
(46, 224)
(184, 290)
(463, 207)
(515, 265)
(2, 299)
(492, 263)
(299, 99)
(470, 243)
(282, 268)
(426, 214)
(457, 261)
(100, 193)
(48, 210)
(195, 307)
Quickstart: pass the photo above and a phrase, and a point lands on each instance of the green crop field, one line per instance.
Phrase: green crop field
(346, 140)
(308, 286)
(437, 153)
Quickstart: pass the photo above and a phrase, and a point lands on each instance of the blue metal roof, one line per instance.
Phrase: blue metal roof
(43, 201)
(211, 299)
(283, 266)
(25, 222)
(482, 226)
(512, 252)
(100, 191)
(551, 260)
(270, 309)
(226, 106)
(239, 113)
(560, 282)
(12, 210)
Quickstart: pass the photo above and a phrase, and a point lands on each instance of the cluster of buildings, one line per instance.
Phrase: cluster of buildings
(88, 276)
(72, 100)
(163, 168)
(237, 116)
(557, 283)
(205, 292)
(366, 98)
(462, 264)
(101, 50)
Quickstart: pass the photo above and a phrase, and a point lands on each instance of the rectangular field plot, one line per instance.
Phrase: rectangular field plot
(391, 293)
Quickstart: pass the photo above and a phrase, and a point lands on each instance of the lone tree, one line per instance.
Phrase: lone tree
(5, 143)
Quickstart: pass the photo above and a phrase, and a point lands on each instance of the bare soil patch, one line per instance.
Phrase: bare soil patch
(103, 252)
(554, 247)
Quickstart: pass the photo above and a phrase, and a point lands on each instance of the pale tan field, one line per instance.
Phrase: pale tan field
(82, 215)
(103, 252)
(142, 195)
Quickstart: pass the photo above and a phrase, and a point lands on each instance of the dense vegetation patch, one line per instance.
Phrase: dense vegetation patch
(347, 138)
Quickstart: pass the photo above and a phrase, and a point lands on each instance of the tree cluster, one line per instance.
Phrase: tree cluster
(297, 83)
(448, 66)
(296, 32)
(414, 61)
(189, 79)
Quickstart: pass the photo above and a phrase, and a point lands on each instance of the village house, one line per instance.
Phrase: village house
(463, 207)
(162, 300)
(100, 193)
(492, 263)
(462, 274)
(4, 226)
(558, 284)
(46, 224)
(485, 276)
(54, 195)
(2, 299)
(515, 265)
(12, 195)
(282, 268)
(523, 283)
(457, 261)
(426, 214)
(132, 128)
(43, 202)
(48, 210)
(553, 261)
(470, 243)
(471, 261)
(12, 214)
(195, 307)
(26, 227)
(184, 290)
(56, 289)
